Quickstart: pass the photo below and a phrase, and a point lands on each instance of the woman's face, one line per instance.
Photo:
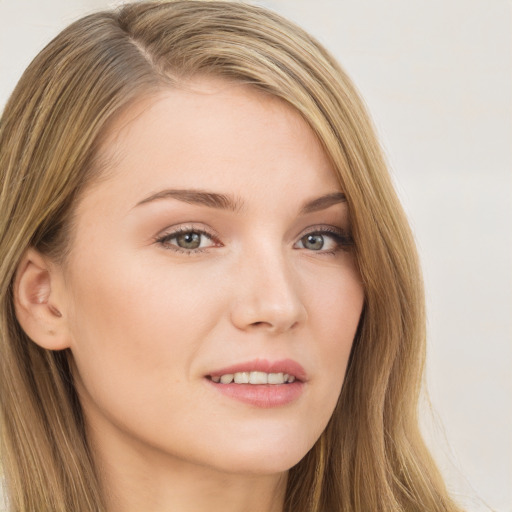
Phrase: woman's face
(217, 245)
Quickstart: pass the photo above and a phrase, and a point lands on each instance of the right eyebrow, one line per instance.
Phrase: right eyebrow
(199, 197)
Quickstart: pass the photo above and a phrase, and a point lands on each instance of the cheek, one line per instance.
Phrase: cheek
(335, 302)
(136, 329)
(334, 316)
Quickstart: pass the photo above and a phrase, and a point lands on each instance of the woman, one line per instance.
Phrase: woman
(210, 294)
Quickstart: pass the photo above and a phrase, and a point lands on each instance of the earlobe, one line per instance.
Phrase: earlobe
(36, 302)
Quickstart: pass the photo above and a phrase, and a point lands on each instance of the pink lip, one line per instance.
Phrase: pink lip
(263, 395)
(288, 366)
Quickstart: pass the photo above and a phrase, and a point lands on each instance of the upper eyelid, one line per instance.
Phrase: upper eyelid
(329, 229)
(320, 228)
(186, 228)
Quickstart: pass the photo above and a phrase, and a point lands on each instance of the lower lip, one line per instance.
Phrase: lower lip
(261, 395)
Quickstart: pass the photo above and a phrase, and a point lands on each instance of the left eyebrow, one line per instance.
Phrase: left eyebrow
(323, 202)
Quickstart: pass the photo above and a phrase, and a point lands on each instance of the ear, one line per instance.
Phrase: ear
(38, 307)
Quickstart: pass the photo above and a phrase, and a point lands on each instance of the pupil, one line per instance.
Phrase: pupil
(315, 242)
(189, 240)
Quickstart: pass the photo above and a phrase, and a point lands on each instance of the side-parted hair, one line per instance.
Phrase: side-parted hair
(371, 456)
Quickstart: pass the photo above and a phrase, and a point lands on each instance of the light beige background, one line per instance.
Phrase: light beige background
(437, 76)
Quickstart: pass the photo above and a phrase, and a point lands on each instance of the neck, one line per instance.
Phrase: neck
(134, 480)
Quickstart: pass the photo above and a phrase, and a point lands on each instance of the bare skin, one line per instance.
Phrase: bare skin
(163, 289)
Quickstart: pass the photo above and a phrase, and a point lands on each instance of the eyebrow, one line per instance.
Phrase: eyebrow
(199, 197)
(323, 202)
(226, 202)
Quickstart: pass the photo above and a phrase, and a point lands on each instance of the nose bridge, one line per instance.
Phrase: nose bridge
(267, 291)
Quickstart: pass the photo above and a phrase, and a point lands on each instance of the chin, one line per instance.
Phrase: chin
(263, 456)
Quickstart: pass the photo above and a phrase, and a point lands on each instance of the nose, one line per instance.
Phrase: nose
(266, 295)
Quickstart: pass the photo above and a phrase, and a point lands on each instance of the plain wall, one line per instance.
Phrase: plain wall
(437, 77)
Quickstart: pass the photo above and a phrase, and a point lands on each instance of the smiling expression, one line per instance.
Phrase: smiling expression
(218, 245)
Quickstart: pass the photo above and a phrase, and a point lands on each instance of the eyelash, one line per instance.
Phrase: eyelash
(342, 239)
(166, 238)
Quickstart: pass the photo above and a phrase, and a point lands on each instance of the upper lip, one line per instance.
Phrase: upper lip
(288, 366)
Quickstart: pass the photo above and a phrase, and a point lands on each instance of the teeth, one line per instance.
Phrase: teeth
(258, 378)
(276, 378)
(254, 378)
(242, 378)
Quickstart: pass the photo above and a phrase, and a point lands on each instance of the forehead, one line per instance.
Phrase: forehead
(216, 133)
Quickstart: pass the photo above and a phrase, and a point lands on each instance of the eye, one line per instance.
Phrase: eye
(186, 240)
(325, 240)
(189, 240)
(313, 242)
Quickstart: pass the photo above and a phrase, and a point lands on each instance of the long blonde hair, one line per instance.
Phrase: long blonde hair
(371, 456)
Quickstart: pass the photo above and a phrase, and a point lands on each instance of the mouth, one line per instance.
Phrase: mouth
(254, 377)
(261, 383)
(260, 371)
